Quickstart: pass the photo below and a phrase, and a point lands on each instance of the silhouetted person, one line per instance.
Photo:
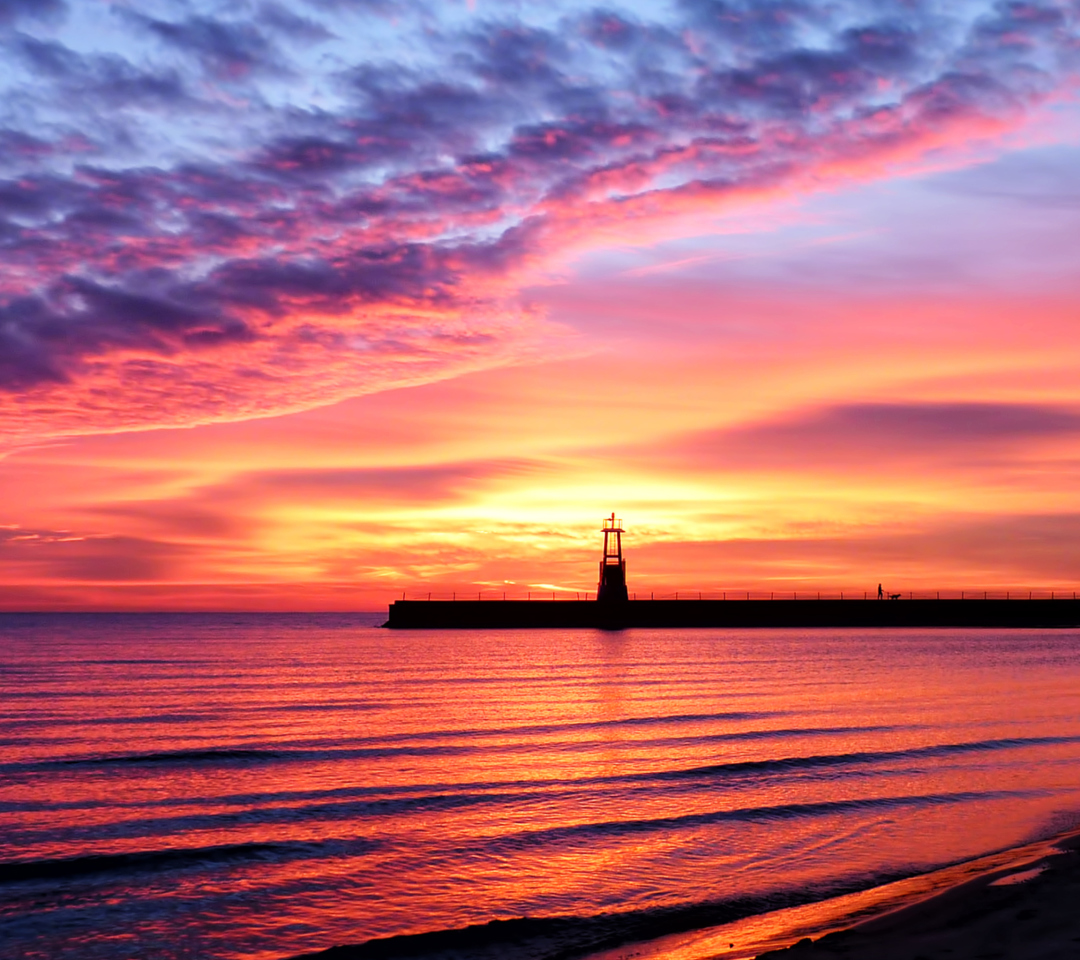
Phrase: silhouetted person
(880, 592)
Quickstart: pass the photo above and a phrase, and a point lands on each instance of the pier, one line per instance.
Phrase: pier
(555, 614)
(615, 608)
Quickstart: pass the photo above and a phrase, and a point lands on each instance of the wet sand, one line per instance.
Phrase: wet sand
(1027, 912)
(1017, 904)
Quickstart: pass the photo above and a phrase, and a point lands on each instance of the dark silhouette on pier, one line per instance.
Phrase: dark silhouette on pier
(612, 585)
(614, 610)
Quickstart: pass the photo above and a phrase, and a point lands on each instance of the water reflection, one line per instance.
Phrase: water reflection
(299, 782)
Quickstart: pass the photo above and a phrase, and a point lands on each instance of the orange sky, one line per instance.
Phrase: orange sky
(764, 438)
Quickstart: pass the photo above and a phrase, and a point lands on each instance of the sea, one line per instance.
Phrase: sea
(264, 786)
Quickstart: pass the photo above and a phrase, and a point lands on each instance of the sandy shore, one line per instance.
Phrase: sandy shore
(1026, 912)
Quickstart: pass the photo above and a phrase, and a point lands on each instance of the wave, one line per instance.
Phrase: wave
(846, 759)
(535, 729)
(377, 747)
(285, 754)
(582, 833)
(234, 755)
(572, 937)
(154, 861)
(292, 755)
(81, 723)
(788, 811)
(341, 802)
(275, 816)
(171, 756)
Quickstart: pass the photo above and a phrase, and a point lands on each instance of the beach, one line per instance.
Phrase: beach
(1027, 912)
(1014, 904)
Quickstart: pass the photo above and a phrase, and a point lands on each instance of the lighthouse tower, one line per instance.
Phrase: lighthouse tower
(612, 586)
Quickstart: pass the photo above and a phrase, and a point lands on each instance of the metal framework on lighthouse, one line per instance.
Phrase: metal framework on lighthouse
(612, 586)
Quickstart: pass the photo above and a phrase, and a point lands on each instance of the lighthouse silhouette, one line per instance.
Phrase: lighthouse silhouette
(612, 586)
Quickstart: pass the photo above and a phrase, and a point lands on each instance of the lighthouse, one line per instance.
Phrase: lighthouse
(612, 586)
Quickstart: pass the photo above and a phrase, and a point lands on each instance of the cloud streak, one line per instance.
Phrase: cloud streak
(271, 218)
(871, 437)
(947, 552)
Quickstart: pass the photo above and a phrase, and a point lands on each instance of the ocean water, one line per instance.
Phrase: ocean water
(211, 786)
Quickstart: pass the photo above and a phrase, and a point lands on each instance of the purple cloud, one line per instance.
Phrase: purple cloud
(227, 50)
(225, 237)
(291, 26)
(12, 10)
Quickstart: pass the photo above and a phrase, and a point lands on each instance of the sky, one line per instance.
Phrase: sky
(312, 304)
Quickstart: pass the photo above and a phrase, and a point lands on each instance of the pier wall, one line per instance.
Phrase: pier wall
(519, 614)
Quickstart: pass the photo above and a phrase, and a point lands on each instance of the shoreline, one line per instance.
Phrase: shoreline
(1030, 911)
(1022, 903)
(959, 912)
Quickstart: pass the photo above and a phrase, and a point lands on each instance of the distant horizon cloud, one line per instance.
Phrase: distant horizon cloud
(215, 212)
(872, 436)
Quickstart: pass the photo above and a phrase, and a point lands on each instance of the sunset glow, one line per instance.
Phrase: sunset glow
(308, 304)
